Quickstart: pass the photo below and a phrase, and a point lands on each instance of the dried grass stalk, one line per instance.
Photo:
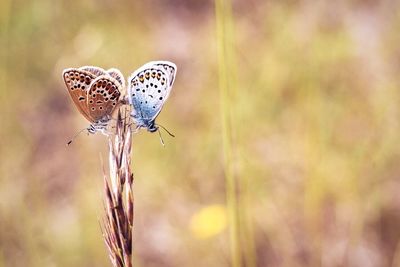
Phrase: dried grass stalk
(118, 220)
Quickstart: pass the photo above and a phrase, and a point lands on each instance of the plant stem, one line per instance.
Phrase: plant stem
(118, 220)
(226, 83)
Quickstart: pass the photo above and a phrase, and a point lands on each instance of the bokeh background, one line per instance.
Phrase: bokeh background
(315, 133)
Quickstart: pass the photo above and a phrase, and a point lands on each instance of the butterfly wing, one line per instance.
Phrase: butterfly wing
(168, 67)
(103, 97)
(78, 82)
(148, 89)
(113, 72)
(116, 74)
(94, 70)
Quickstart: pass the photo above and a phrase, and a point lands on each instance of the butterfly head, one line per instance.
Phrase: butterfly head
(91, 129)
(151, 127)
(99, 126)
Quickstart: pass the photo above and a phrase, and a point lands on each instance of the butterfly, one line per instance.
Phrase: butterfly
(96, 94)
(148, 89)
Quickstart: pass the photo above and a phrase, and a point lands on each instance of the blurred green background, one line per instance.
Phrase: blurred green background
(315, 126)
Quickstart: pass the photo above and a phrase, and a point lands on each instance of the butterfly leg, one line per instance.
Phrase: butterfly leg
(136, 130)
(91, 129)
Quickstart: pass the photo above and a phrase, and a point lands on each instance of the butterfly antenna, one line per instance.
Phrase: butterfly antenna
(166, 130)
(161, 139)
(73, 138)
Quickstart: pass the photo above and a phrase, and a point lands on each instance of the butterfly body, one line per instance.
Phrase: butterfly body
(150, 125)
(148, 89)
(95, 92)
(98, 126)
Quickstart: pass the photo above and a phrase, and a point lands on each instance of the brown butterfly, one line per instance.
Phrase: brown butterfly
(96, 93)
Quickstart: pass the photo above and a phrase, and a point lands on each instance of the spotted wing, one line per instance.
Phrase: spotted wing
(116, 74)
(78, 82)
(148, 89)
(168, 67)
(103, 97)
(94, 70)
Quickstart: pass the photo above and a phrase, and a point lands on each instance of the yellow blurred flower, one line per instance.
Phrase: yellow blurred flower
(208, 221)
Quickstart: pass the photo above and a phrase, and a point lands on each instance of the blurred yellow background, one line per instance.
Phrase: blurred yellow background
(315, 132)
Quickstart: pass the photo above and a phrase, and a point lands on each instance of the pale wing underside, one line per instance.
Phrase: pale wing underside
(148, 88)
(168, 67)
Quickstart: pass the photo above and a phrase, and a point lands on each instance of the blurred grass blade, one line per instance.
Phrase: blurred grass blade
(226, 82)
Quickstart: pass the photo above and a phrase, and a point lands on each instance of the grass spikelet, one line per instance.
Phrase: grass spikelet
(117, 223)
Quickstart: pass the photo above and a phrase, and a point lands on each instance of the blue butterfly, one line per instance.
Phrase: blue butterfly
(148, 89)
